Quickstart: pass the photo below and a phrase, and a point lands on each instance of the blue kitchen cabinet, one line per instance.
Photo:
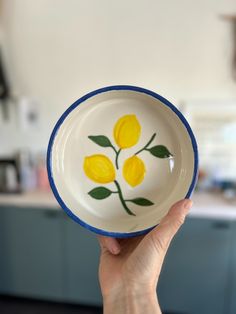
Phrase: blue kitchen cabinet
(31, 252)
(196, 271)
(44, 254)
(81, 269)
(232, 277)
(3, 255)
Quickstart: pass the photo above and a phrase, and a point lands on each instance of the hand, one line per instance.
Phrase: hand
(129, 268)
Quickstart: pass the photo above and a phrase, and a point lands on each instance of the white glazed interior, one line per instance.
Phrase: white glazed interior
(166, 180)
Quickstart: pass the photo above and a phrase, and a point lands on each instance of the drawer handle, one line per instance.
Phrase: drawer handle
(51, 213)
(221, 225)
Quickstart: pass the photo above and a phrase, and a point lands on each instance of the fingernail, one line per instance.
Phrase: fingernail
(188, 204)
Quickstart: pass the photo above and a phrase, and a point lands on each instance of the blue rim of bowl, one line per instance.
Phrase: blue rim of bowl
(77, 103)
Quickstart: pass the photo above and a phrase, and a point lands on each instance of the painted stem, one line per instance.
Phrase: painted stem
(117, 155)
(148, 143)
(122, 199)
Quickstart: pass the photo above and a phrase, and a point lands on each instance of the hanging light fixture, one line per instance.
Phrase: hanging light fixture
(4, 90)
(232, 19)
(234, 51)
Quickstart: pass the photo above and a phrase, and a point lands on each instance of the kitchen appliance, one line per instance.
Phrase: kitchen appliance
(9, 175)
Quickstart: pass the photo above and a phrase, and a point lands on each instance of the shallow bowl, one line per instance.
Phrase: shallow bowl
(119, 157)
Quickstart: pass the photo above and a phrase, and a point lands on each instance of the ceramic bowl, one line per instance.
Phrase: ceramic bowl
(119, 157)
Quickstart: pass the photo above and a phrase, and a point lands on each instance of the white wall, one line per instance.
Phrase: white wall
(57, 50)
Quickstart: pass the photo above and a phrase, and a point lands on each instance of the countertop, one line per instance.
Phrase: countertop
(206, 205)
(34, 199)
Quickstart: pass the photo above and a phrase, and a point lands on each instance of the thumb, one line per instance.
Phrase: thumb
(162, 235)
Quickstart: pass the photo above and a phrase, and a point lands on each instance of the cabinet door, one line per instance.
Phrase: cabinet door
(195, 274)
(3, 257)
(232, 275)
(32, 252)
(82, 259)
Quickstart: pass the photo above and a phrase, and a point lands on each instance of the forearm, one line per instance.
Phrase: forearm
(128, 303)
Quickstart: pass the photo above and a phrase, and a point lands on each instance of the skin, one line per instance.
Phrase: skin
(129, 268)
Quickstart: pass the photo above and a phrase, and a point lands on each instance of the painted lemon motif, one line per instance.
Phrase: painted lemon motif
(127, 131)
(99, 168)
(134, 171)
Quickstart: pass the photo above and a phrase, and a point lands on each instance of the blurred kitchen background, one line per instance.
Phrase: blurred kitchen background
(53, 52)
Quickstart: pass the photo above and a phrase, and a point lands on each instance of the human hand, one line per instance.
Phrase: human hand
(129, 268)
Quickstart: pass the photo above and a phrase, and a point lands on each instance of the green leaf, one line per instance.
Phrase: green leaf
(141, 201)
(160, 151)
(101, 140)
(100, 193)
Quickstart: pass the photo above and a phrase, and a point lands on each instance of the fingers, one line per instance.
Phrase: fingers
(170, 224)
(161, 235)
(109, 244)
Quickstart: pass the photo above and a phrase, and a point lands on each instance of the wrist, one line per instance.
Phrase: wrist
(129, 300)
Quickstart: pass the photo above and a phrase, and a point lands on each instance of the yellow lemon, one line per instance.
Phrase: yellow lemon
(127, 131)
(134, 170)
(99, 168)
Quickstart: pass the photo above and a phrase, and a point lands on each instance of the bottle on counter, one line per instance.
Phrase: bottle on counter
(28, 178)
(42, 176)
